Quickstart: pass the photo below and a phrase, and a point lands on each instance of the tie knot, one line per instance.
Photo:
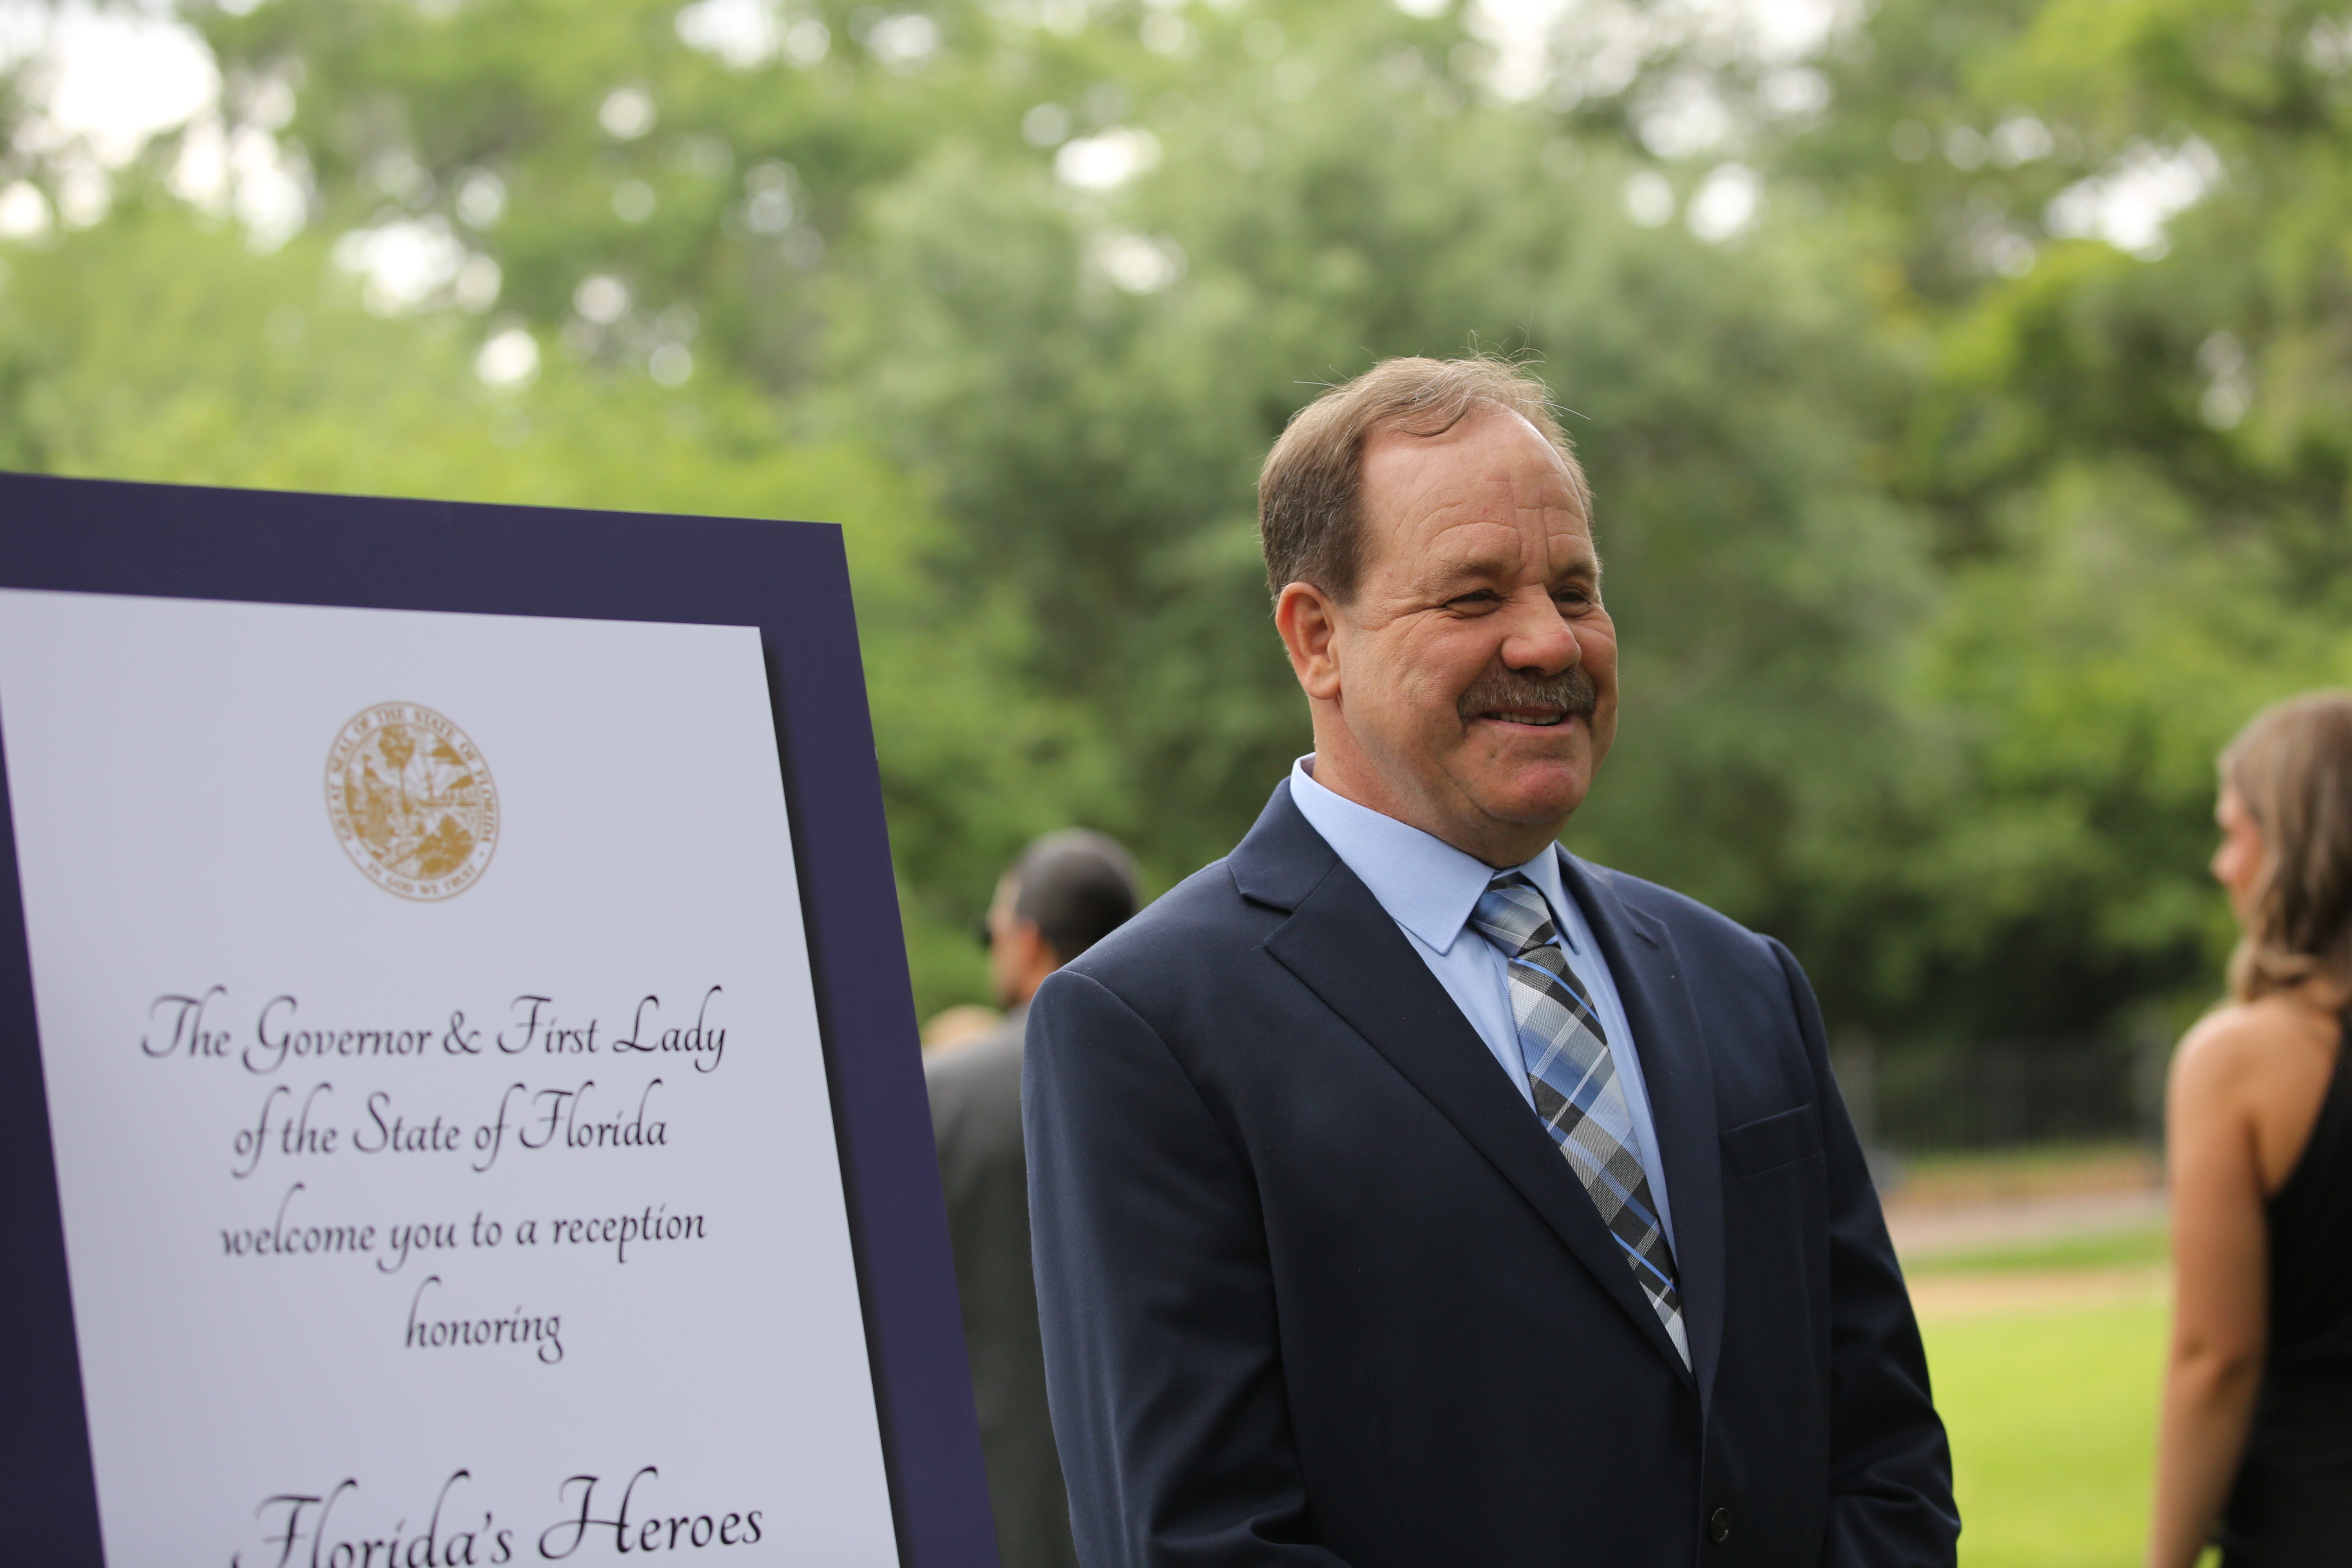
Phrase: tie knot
(1512, 914)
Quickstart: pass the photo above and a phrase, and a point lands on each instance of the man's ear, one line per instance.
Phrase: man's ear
(1309, 624)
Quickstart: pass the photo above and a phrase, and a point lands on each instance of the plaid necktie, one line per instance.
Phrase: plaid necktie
(1566, 1052)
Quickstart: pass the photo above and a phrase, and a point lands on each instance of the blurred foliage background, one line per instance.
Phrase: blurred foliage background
(1967, 389)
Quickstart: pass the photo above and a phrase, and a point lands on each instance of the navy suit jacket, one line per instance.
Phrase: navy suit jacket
(1317, 1289)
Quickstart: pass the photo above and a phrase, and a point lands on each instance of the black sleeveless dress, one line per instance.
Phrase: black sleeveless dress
(2291, 1505)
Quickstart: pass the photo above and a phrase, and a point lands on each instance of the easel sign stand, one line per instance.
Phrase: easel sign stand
(459, 1093)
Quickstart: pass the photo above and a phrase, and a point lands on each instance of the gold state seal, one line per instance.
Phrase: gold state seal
(412, 800)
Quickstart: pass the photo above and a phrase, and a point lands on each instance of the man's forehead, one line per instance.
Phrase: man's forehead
(1492, 463)
(1483, 548)
(1467, 535)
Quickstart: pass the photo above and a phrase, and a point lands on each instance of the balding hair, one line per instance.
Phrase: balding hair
(1308, 493)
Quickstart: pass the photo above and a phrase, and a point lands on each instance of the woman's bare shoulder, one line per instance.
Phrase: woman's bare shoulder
(2248, 1043)
(2263, 1066)
(2258, 1028)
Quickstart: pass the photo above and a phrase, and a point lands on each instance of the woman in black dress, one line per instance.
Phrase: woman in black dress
(2255, 1450)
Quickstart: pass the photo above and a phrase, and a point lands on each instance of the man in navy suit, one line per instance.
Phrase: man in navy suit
(1408, 1192)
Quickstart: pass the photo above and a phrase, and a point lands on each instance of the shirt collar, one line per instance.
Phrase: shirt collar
(1425, 884)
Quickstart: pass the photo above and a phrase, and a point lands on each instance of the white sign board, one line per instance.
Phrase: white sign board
(434, 1082)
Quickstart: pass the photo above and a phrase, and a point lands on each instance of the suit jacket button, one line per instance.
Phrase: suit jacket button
(1718, 1526)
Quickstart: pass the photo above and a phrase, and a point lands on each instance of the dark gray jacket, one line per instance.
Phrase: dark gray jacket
(976, 1118)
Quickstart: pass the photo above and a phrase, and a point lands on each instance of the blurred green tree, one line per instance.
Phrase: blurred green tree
(1962, 391)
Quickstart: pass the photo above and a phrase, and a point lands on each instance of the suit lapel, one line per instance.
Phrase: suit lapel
(1344, 947)
(1654, 987)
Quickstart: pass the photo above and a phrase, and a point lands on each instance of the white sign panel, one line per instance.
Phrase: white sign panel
(445, 1160)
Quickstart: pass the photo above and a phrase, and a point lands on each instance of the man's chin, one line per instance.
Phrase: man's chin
(1532, 794)
(1507, 740)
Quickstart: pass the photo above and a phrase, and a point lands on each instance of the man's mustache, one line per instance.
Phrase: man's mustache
(1571, 690)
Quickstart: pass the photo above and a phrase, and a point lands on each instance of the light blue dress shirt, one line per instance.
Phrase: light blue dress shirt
(1429, 887)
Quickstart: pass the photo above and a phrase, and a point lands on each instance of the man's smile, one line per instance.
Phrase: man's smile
(1536, 717)
(1524, 700)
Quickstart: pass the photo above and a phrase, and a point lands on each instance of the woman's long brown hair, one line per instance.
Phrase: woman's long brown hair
(2290, 768)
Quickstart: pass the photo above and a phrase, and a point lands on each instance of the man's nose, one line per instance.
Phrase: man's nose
(1537, 637)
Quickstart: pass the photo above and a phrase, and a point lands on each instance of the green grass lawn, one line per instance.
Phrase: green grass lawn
(2052, 1417)
(2146, 1246)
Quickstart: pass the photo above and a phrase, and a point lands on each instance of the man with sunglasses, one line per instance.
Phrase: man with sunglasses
(1065, 892)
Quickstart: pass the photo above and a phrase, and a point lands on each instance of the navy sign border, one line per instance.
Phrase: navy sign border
(791, 580)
